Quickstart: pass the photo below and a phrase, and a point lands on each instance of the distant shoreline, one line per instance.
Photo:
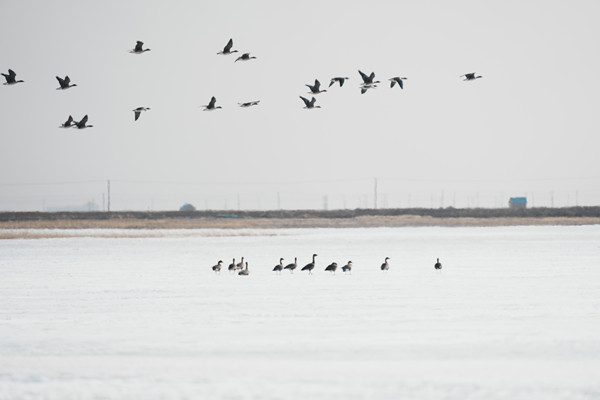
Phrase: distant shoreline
(301, 218)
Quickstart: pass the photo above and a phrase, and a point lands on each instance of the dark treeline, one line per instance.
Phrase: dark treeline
(539, 212)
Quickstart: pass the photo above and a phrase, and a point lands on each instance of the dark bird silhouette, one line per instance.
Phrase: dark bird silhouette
(217, 268)
(138, 48)
(211, 106)
(64, 83)
(249, 104)
(244, 271)
(292, 266)
(338, 79)
(11, 78)
(240, 265)
(279, 267)
(368, 80)
(227, 49)
(331, 267)
(438, 264)
(309, 104)
(138, 111)
(316, 88)
(385, 266)
(245, 57)
(397, 80)
(82, 124)
(68, 123)
(348, 267)
(232, 266)
(470, 77)
(310, 266)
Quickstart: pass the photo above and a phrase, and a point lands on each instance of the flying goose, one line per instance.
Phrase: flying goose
(348, 267)
(310, 266)
(368, 80)
(82, 124)
(385, 266)
(309, 104)
(338, 79)
(331, 267)
(138, 48)
(217, 268)
(279, 266)
(10, 78)
(438, 264)
(316, 88)
(211, 106)
(397, 80)
(292, 266)
(227, 49)
(249, 104)
(245, 57)
(470, 77)
(64, 83)
(138, 111)
(68, 123)
(244, 271)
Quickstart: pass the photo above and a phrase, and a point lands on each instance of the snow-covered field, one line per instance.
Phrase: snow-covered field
(513, 314)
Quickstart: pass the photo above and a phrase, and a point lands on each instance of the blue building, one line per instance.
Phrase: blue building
(517, 202)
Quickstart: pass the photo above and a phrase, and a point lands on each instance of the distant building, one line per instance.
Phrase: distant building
(517, 202)
(187, 207)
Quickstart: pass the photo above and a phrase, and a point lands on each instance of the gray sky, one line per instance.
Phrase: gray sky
(529, 127)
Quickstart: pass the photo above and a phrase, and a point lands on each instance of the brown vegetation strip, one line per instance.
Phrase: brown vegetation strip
(9, 227)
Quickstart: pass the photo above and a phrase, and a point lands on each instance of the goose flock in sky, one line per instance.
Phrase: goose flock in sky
(242, 267)
(368, 83)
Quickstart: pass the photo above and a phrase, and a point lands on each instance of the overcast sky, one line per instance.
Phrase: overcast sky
(530, 126)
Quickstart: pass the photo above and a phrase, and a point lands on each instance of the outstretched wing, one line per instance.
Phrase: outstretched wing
(138, 46)
(365, 78)
(228, 46)
(213, 100)
(306, 101)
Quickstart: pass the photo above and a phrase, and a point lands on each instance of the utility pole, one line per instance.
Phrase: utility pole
(375, 194)
(108, 194)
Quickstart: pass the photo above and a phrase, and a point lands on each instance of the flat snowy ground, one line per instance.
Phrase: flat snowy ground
(514, 314)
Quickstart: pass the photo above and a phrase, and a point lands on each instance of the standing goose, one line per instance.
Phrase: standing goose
(470, 77)
(64, 83)
(245, 57)
(385, 266)
(138, 111)
(240, 265)
(438, 264)
(309, 104)
(310, 266)
(397, 80)
(68, 123)
(217, 268)
(231, 267)
(316, 88)
(292, 266)
(331, 267)
(82, 124)
(138, 48)
(338, 79)
(348, 267)
(244, 271)
(211, 106)
(227, 49)
(11, 78)
(279, 267)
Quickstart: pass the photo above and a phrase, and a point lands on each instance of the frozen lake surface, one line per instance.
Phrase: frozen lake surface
(513, 314)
